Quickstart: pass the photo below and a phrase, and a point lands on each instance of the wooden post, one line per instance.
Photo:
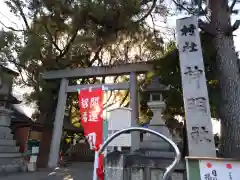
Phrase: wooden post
(58, 125)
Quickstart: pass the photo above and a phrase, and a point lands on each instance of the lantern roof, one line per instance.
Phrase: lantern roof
(155, 85)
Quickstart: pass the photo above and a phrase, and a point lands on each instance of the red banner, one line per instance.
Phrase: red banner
(91, 109)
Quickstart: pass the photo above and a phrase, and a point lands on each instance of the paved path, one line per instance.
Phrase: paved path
(75, 171)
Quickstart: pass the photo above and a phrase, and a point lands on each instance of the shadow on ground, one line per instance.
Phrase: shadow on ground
(75, 171)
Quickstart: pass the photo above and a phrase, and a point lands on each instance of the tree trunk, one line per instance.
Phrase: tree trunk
(229, 79)
(47, 107)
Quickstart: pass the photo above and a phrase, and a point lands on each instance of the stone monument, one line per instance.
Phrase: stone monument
(10, 158)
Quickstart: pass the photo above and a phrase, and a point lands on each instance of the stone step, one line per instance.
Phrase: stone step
(10, 149)
(6, 136)
(5, 142)
(5, 120)
(9, 160)
(5, 129)
(10, 165)
(10, 155)
(9, 137)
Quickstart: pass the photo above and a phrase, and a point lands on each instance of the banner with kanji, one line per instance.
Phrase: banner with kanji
(91, 109)
(91, 115)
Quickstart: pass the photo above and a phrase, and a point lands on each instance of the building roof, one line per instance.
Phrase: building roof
(19, 116)
(8, 70)
(9, 99)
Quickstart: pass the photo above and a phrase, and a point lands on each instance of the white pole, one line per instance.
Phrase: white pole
(58, 125)
(95, 166)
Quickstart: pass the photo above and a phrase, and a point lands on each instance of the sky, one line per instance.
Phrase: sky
(10, 20)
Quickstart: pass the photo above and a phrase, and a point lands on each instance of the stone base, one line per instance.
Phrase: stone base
(158, 128)
(125, 166)
(13, 165)
(157, 153)
(156, 145)
(10, 158)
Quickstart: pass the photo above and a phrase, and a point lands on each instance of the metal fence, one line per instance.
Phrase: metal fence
(81, 152)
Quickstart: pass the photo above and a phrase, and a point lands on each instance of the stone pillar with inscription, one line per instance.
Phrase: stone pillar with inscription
(195, 94)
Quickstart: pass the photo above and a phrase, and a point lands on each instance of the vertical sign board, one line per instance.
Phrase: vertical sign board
(196, 102)
(212, 169)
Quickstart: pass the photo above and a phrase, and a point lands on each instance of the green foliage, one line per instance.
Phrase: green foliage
(61, 34)
(146, 113)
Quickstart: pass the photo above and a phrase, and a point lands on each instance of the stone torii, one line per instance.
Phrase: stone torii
(122, 69)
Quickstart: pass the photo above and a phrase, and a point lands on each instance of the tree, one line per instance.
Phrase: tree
(217, 24)
(65, 33)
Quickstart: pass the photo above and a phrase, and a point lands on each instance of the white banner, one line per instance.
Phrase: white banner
(219, 170)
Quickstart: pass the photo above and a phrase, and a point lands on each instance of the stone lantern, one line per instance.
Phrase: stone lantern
(6, 81)
(10, 157)
(152, 92)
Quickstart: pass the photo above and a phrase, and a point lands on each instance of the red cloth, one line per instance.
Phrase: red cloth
(91, 109)
(100, 171)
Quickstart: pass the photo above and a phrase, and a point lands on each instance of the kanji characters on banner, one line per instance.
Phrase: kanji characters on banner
(91, 108)
(91, 112)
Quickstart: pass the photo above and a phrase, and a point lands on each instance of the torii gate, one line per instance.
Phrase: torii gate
(122, 69)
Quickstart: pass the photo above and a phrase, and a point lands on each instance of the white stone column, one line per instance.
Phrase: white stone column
(58, 125)
(157, 123)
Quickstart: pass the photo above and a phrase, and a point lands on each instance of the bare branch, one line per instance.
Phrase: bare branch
(19, 68)
(110, 25)
(18, 5)
(149, 12)
(232, 5)
(51, 38)
(228, 31)
(11, 28)
(96, 56)
(124, 98)
(144, 2)
(206, 27)
(66, 49)
(108, 99)
(182, 7)
(9, 19)
(236, 25)
(23, 80)
(18, 65)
